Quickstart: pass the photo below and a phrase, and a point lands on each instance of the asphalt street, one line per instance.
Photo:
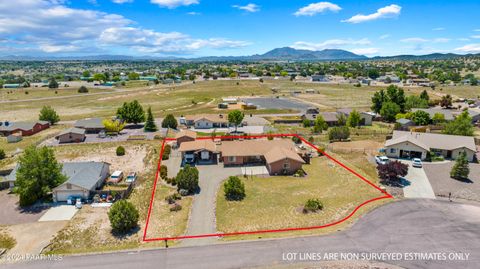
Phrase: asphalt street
(408, 226)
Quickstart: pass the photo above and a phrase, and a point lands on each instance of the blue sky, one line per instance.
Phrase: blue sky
(192, 28)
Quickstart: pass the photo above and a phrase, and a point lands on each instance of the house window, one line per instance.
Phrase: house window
(232, 159)
(393, 150)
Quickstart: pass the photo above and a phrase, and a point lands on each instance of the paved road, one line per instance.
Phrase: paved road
(412, 225)
(419, 186)
(202, 218)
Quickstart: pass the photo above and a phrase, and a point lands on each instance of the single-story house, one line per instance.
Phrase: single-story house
(185, 136)
(416, 145)
(366, 118)
(331, 118)
(82, 179)
(72, 135)
(320, 78)
(199, 151)
(91, 126)
(26, 128)
(450, 114)
(207, 121)
(280, 156)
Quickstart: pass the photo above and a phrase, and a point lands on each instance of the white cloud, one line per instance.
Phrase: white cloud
(414, 40)
(463, 39)
(470, 48)
(438, 29)
(441, 40)
(384, 36)
(329, 44)
(174, 3)
(476, 30)
(249, 8)
(315, 8)
(193, 13)
(365, 51)
(475, 36)
(390, 11)
(122, 1)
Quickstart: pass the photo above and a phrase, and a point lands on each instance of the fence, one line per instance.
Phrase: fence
(118, 194)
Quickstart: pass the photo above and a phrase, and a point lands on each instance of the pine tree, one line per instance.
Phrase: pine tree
(150, 123)
(460, 169)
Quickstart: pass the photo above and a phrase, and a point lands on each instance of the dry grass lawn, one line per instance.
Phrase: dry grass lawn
(276, 202)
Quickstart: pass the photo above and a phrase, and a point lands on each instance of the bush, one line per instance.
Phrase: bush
(171, 199)
(234, 189)
(175, 208)
(83, 89)
(166, 152)
(300, 173)
(187, 179)
(120, 151)
(296, 140)
(163, 172)
(2, 154)
(183, 192)
(170, 122)
(338, 133)
(391, 171)
(312, 205)
(123, 216)
(47, 113)
(460, 169)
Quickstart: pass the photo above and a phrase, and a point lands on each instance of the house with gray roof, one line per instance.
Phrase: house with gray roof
(91, 126)
(26, 128)
(72, 135)
(417, 145)
(450, 114)
(82, 179)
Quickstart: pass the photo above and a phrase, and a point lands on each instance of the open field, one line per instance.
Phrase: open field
(276, 202)
(33, 93)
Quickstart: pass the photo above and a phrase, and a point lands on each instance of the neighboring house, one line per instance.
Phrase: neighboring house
(389, 79)
(279, 156)
(72, 135)
(450, 114)
(366, 118)
(82, 179)
(207, 121)
(25, 128)
(91, 126)
(185, 136)
(417, 145)
(405, 124)
(14, 138)
(320, 78)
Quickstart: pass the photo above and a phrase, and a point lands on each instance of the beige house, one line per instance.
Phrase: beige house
(417, 145)
(72, 135)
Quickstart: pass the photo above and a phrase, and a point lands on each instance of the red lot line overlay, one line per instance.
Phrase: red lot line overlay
(386, 195)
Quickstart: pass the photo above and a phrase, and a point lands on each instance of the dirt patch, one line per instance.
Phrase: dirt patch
(357, 145)
(11, 213)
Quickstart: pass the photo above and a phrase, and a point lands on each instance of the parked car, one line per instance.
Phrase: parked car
(381, 159)
(102, 134)
(72, 200)
(78, 203)
(116, 177)
(416, 162)
(132, 177)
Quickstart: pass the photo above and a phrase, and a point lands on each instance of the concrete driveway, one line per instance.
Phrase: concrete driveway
(202, 219)
(59, 213)
(407, 226)
(418, 185)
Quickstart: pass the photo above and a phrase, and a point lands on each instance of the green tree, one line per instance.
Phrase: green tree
(396, 95)
(150, 125)
(320, 124)
(341, 119)
(338, 133)
(377, 100)
(235, 117)
(413, 101)
(446, 101)
(123, 216)
(354, 119)
(131, 112)
(53, 84)
(38, 173)
(83, 89)
(421, 117)
(389, 111)
(460, 169)
(438, 118)
(133, 76)
(113, 126)
(234, 189)
(120, 151)
(461, 125)
(187, 179)
(99, 77)
(424, 95)
(47, 113)
(2, 154)
(170, 122)
(86, 74)
(306, 123)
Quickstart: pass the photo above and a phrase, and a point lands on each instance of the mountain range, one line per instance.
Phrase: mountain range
(278, 54)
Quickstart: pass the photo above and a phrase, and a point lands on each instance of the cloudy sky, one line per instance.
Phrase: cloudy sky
(191, 28)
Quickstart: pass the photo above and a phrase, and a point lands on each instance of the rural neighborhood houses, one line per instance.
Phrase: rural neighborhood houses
(26, 128)
(91, 126)
(404, 144)
(72, 135)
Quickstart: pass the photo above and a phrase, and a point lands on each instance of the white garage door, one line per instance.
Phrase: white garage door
(62, 196)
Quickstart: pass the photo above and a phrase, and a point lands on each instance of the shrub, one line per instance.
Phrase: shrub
(2, 154)
(120, 151)
(83, 89)
(171, 199)
(300, 173)
(234, 189)
(123, 216)
(460, 169)
(166, 152)
(175, 208)
(312, 205)
(170, 122)
(391, 171)
(47, 113)
(163, 172)
(339, 133)
(296, 140)
(183, 192)
(306, 123)
(187, 179)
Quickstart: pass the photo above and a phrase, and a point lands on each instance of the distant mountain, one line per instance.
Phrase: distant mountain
(432, 56)
(322, 55)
